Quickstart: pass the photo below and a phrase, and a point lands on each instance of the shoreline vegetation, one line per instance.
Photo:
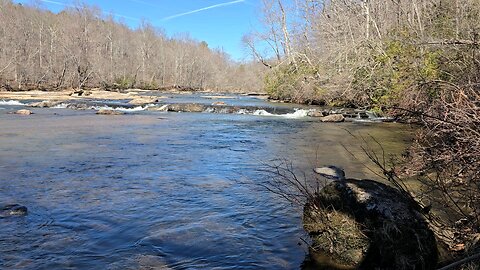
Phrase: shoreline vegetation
(416, 60)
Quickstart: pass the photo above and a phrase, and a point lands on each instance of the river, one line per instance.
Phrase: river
(162, 190)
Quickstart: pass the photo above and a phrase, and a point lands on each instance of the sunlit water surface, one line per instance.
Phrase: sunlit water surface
(160, 190)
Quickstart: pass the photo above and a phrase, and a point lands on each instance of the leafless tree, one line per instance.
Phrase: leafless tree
(82, 47)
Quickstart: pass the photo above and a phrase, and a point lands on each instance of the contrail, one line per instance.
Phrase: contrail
(202, 9)
(56, 3)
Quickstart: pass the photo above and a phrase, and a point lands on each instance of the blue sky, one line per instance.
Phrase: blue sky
(221, 23)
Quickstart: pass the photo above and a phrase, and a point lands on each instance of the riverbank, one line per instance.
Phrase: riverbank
(135, 100)
(71, 94)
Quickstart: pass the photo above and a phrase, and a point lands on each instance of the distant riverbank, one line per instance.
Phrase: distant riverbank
(174, 100)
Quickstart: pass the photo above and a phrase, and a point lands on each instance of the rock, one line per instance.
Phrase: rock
(363, 115)
(334, 118)
(143, 100)
(24, 112)
(315, 114)
(162, 108)
(186, 107)
(331, 172)
(363, 224)
(44, 104)
(109, 112)
(256, 94)
(78, 106)
(219, 103)
(13, 210)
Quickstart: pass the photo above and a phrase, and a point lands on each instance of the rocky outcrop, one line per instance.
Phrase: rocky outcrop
(109, 112)
(186, 107)
(363, 224)
(44, 104)
(13, 210)
(333, 118)
(23, 112)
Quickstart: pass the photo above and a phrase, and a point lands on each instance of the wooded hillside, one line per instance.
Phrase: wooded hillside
(81, 47)
(366, 52)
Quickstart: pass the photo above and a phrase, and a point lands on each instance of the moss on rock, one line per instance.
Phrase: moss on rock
(363, 224)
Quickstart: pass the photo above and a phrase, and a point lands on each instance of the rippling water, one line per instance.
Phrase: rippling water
(159, 190)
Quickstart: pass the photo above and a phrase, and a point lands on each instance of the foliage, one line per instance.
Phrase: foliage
(295, 82)
(375, 52)
(398, 68)
(124, 82)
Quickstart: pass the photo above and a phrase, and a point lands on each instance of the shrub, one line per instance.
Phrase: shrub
(294, 82)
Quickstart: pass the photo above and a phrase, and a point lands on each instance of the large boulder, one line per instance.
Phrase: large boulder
(364, 224)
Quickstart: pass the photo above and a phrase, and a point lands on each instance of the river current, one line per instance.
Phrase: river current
(162, 190)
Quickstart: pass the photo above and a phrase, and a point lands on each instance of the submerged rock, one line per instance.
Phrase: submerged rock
(334, 118)
(109, 112)
(24, 112)
(13, 210)
(363, 224)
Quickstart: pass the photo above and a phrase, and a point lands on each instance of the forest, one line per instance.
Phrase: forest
(83, 48)
(364, 53)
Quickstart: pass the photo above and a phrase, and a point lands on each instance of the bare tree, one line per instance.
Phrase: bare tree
(81, 47)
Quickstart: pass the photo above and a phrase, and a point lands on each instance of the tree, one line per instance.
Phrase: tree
(81, 47)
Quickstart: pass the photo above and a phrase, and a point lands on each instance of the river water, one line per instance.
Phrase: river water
(161, 190)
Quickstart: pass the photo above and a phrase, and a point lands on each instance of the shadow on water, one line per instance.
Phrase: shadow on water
(139, 192)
